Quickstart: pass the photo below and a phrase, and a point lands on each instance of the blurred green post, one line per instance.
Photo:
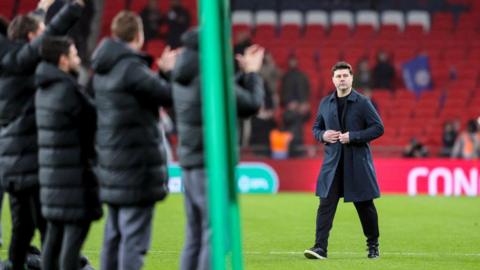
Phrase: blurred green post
(219, 114)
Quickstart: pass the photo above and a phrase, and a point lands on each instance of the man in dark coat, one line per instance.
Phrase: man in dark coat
(151, 19)
(383, 72)
(66, 127)
(18, 134)
(188, 109)
(132, 169)
(178, 21)
(346, 122)
(294, 95)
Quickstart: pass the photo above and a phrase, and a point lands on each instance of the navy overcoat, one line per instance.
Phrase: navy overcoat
(364, 125)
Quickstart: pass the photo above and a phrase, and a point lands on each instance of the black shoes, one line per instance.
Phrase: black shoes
(373, 252)
(34, 259)
(85, 264)
(315, 253)
(319, 253)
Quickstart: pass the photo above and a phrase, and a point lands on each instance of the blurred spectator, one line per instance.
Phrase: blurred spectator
(383, 72)
(279, 143)
(449, 136)
(243, 41)
(295, 92)
(294, 118)
(295, 84)
(467, 145)
(3, 26)
(178, 21)
(452, 73)
(415, 150)
(152, 19)
(271, 74)
(363, 77)
(262, 124)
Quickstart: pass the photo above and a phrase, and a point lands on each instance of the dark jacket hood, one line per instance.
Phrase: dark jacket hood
(110, 51)
(190, 39)
(186, 67)
(47, 74)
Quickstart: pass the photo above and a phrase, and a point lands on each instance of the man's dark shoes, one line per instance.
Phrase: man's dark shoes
(85, 264)
(373, 252)
(315, 253)
(34, 259)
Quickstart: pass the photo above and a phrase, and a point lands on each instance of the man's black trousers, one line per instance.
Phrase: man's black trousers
(26, 216)
(326, 212)
(63, 244)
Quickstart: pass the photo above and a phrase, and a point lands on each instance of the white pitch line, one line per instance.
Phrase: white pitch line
(405, 254)
(421, 254)
(300, 253)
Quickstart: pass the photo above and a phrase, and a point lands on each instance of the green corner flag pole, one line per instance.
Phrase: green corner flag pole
(219, 115)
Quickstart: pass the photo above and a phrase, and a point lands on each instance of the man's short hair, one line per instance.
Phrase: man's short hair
(21, 26)
(54, 47)
(126, 25)
(342, 65)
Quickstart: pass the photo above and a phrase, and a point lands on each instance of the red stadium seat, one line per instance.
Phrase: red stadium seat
(314, 33)
(442, 21)
(266, 22)
(27, 6)
(290, 24)
(6, 8)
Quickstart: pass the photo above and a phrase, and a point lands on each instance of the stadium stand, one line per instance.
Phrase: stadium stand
(319, 33)
(447, 34)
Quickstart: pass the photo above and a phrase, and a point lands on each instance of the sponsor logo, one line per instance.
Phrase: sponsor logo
(256, 177)
(252, 177)
(456, 181)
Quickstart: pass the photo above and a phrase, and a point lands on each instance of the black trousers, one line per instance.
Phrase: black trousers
(63, 244)
(26, 216)
(326, 212)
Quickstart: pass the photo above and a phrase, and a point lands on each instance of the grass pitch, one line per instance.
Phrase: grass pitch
(416, 233)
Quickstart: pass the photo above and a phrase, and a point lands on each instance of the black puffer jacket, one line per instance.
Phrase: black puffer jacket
(18, 134)
(249, 93)
(66, 128)
(131, 158)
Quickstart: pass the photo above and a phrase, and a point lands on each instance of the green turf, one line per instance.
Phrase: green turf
(416, 233)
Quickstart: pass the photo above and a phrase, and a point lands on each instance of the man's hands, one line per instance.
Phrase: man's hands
(252, 59)
(344, 138)
(332, 136)
(167, 60)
